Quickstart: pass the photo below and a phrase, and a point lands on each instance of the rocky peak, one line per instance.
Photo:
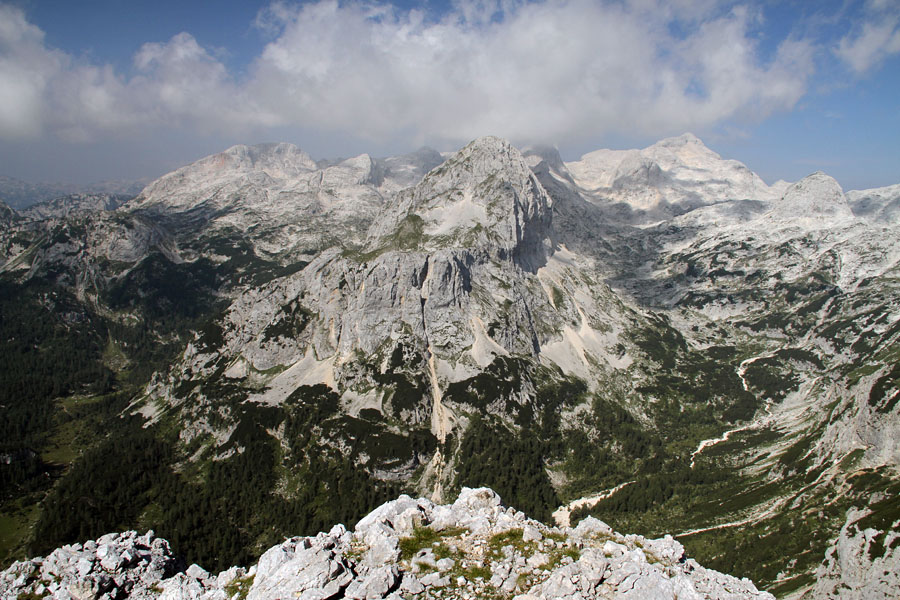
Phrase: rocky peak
(687, 151)
(815, 197)
(685, 139)
(549, 168)
(484, 198)
(687, 143)
(482, 160)
(546, 154)
(283, 201)
(281, 160)
(880, 205)
(359, 170)
(669, 178)
(638, 170)
(215, 178)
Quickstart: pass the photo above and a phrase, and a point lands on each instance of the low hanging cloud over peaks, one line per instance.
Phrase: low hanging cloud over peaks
(533, 71)
(529, 71)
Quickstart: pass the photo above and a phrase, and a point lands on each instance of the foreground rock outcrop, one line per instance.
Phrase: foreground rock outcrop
(407, 548)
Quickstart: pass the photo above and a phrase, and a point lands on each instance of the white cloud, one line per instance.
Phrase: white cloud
(872, 40)
(531, 71)
(26, 66)
(182, 82)
(876, 40)
(549, 70)
(176, 84)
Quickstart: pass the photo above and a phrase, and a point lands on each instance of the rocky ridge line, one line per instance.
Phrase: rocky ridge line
(406, 548)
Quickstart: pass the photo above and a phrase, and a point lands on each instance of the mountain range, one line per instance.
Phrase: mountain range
(22, 194)
(260, 344)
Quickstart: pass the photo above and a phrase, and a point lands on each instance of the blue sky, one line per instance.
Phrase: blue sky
(120, 90)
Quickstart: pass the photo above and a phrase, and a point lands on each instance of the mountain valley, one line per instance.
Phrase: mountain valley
(260, 345)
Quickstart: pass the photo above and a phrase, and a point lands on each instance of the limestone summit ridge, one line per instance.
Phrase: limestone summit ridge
(406, 548)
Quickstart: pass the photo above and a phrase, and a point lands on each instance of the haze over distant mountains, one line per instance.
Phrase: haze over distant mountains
(20, 194)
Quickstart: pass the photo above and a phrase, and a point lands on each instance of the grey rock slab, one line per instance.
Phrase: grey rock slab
(531, 534)
(376, 584)
(197, 572)
(410, 584)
